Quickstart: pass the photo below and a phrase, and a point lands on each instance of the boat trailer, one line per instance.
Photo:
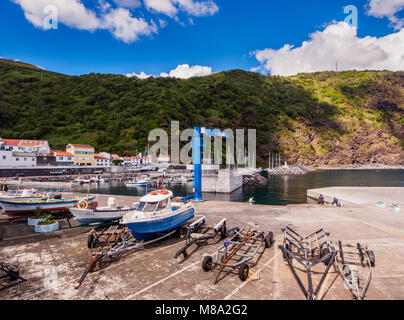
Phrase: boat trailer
(236, 252)
(308, 252)
(199, 233)
(354, 265)
(114, 241)
(12, 272)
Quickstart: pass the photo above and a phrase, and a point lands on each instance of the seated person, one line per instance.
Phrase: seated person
(335, 202)
(251, 201)
(321, 199)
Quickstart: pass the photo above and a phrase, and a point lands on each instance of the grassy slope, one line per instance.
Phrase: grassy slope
(319, 118)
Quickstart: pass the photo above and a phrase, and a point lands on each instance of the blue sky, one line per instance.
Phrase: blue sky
(225, 36)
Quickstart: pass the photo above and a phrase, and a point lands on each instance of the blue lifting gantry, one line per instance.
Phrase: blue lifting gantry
(197, 157)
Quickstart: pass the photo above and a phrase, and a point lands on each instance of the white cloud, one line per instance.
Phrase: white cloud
(183, 71)
(118, 20)
(191, 7)
(388, 9)
(123, 26)
(198, 8)
(130, 4)
(70, 12)
(73, 14)
(141, 75)
(337, 43)
(161, 6)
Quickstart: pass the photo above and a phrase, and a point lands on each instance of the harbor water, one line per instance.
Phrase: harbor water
(280, 190)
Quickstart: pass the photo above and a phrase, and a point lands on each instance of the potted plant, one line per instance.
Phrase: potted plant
(47, 225)
(395, 207)
(380, 204)
(38, 217)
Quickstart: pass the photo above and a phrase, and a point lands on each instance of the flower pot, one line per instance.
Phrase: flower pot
(380, 204)
(395, 208)
(33, 221)
(47, 228)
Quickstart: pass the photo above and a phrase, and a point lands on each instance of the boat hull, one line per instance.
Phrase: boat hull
(25, 209)
(137, 184)
(143, 230)
(88, 216)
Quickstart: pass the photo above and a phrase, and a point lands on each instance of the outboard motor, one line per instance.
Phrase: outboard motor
(112, 203)
(26, 193)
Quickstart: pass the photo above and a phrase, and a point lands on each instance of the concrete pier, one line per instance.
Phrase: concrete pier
(359, 195)
(53, 262)
(223, 182)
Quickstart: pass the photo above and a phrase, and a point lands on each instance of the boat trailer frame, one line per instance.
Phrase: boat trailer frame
(204, 234)
(308, 252)
(114, 241)
(347, 262)
(11, 271)
(229, 251)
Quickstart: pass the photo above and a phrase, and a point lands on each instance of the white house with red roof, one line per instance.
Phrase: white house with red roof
(146, 160)
(63, 158)
(102, 161)
(163, 158)
(132, 161)
(25, 145)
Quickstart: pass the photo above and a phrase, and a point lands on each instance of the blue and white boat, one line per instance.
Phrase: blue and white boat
(156, 213)
(137, 183)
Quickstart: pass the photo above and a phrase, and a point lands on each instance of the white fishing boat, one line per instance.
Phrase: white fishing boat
(156, 213)
(26, 194)
(27, 207)
(84, 213)
(82, 181)
(137, 183)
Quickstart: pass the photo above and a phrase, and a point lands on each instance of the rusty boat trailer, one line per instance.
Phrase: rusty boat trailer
(114, 241)
(308, 251)
(236, 252)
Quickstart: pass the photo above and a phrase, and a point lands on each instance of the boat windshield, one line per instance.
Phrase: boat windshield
(147, 206)
(162, 204)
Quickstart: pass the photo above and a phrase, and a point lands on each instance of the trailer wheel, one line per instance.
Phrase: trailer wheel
(90, 241)
(269, 239)
(346, 270)
(223, 232)
(372, 258)
(243, 271)
(207, 263)
(324, 252)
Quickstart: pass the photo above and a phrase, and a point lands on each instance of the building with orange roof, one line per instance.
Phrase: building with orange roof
(83, 154)
(102, 161)
(25, 145)
(163, 158)
(63, 158)
(132, 161)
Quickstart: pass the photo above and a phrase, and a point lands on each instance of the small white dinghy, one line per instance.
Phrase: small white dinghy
(85, 214)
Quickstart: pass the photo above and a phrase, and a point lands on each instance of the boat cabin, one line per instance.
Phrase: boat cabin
(156, 202)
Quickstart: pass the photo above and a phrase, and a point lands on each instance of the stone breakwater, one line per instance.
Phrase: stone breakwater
(254, 179)
(291, 171)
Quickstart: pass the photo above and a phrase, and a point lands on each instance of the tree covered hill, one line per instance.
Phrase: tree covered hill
(325, 118)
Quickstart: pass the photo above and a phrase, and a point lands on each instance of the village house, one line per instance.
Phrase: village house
(83, 154)
(63, 158)
(101, 161)
(10, 158)
(33, 146)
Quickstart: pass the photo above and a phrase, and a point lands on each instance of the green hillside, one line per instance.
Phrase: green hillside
(321, 118)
